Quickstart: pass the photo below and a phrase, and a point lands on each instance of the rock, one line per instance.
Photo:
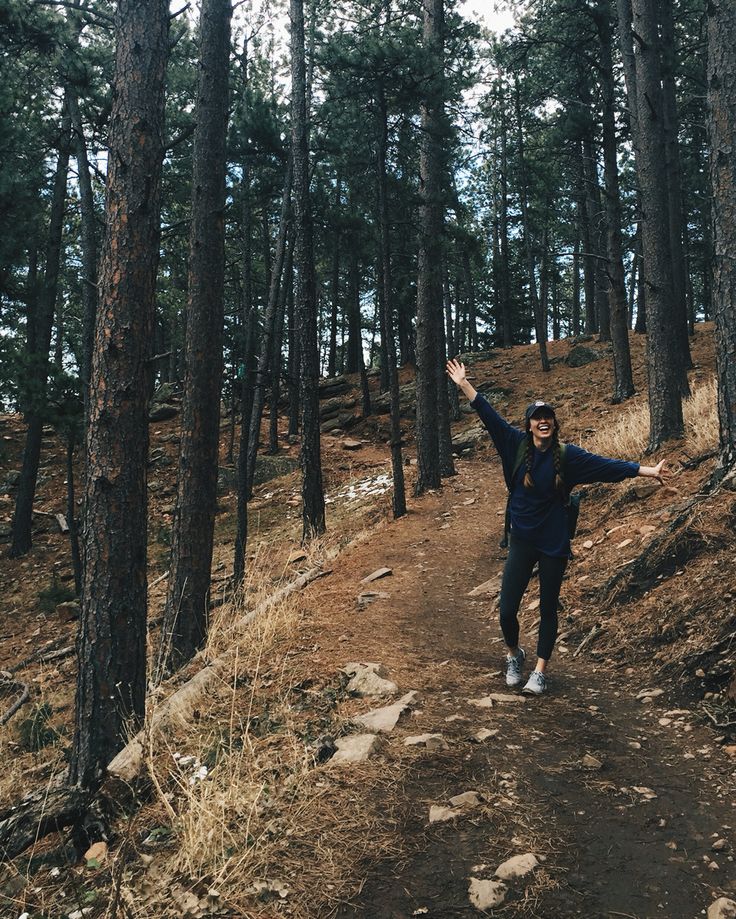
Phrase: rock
(700, 673)
(355, 749)
(466, 440)
(351, 444)
(376, 575)
(590, 762)
(579, 356)
(517, 867)
(69, 611)
(162, 412)
(483, 735)
(646, 529)
(466, 799)
(367, 681)
(384, 720)
(164, 393)
(430, 741)
(485, 702)
(298, 555)
(644, 489)
(588, 544)
(370, 596)
(486, 894)
(647, 793)
(438, 813)
(97, 852)
(624, 543)
(10, 481)
(491, 586)
(722, 908)
(649, 694)
(334, 386)
(719, 845)
(506, 697)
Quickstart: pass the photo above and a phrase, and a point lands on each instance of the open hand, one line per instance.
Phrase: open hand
(456, 371)
(654, 472)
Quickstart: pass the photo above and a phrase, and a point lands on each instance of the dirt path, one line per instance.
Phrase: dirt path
(632, 838)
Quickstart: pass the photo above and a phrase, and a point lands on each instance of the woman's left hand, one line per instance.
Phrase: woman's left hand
(654, 472)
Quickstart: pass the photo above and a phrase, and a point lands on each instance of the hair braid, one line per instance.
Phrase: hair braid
(528, 480)
(557, 459)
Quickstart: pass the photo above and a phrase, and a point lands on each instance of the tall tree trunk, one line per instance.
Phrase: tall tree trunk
(540, 320)
(89, 243)
(187, 604)
(40, 328)
(71, 514)
(292, 371)
(587, 254)
(429, 284)
(335, 297)
(313, 509)
(623, 382)
(450, 339)
(505, 279)
(398, 500)
(722, 135)
(674, 188)
(275, 394)
(665, 403)
(470, 288)
(265, 361)
(111, 680)
(575, 318)
(355, 344)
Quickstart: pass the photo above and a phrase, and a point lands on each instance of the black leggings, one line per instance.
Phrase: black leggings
(516, 575)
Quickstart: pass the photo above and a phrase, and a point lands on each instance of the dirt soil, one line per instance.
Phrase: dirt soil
(629, 831)
(631, 838)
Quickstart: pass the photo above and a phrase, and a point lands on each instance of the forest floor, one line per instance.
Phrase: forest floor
(620, 782)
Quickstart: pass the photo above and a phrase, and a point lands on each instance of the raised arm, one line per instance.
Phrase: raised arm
(456, 372)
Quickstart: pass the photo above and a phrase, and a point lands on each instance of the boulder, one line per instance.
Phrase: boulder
(430, 741)
(369, 680)
(384, 720)
(355, 749)
(517, 867)
(486, 894)
(722, 908)
(162, 411)
(579, 356)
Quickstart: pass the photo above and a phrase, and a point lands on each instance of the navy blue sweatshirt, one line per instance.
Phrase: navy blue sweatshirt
(539, 515)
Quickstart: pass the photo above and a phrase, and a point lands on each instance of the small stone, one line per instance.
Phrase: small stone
(635, 745)
(491, 586)
(349, 444)
(700, 673)
(69, 611)
(483, 735)
(646, 695)
(719, 845)
(672, 845)
(296, 556)
(430, 741)
(644, 489)
(624, 543)
(97, 852)
(466, 799)
(517, 867)
(486, 894)
(485, 702)
(355, 749)
(588, 544)
(506, 697)
(438, 813)
(376, 575)
(384, 720)
(722, 908)
(590, 762)
(647, 793)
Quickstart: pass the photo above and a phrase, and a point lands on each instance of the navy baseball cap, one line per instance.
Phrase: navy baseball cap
(535, 407)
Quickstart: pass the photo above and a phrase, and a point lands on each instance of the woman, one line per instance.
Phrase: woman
(538, 506)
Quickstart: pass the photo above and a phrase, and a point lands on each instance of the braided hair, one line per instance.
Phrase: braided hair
(556, 459)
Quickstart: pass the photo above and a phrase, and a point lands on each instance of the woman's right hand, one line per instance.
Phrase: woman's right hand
(456, 371)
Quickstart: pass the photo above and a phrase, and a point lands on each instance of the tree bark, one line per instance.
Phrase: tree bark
(335, 294)
(398, 499)
(623, 382)
(186, 615)
(722, 136)
(540, 320)
(429, 283)
(504, 279)
(111, 681)
(313, 502)
(40, 327)
(665, 402)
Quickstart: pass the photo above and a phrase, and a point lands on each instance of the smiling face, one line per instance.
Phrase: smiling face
(542, 425)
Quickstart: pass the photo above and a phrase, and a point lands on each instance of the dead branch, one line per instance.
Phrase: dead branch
(46, 811)
(25, 695)
(722, 726)
(589, 638)
(57, 655)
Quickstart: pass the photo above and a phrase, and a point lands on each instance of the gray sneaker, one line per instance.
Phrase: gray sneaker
(536, 684)
(513, 668)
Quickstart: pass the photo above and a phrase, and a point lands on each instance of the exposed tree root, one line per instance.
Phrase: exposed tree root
(25, 695)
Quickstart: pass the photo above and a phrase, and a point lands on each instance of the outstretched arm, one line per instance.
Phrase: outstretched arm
(654, 472)
(456, 372)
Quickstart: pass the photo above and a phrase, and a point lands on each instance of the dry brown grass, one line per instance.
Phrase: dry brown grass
(627, 438)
